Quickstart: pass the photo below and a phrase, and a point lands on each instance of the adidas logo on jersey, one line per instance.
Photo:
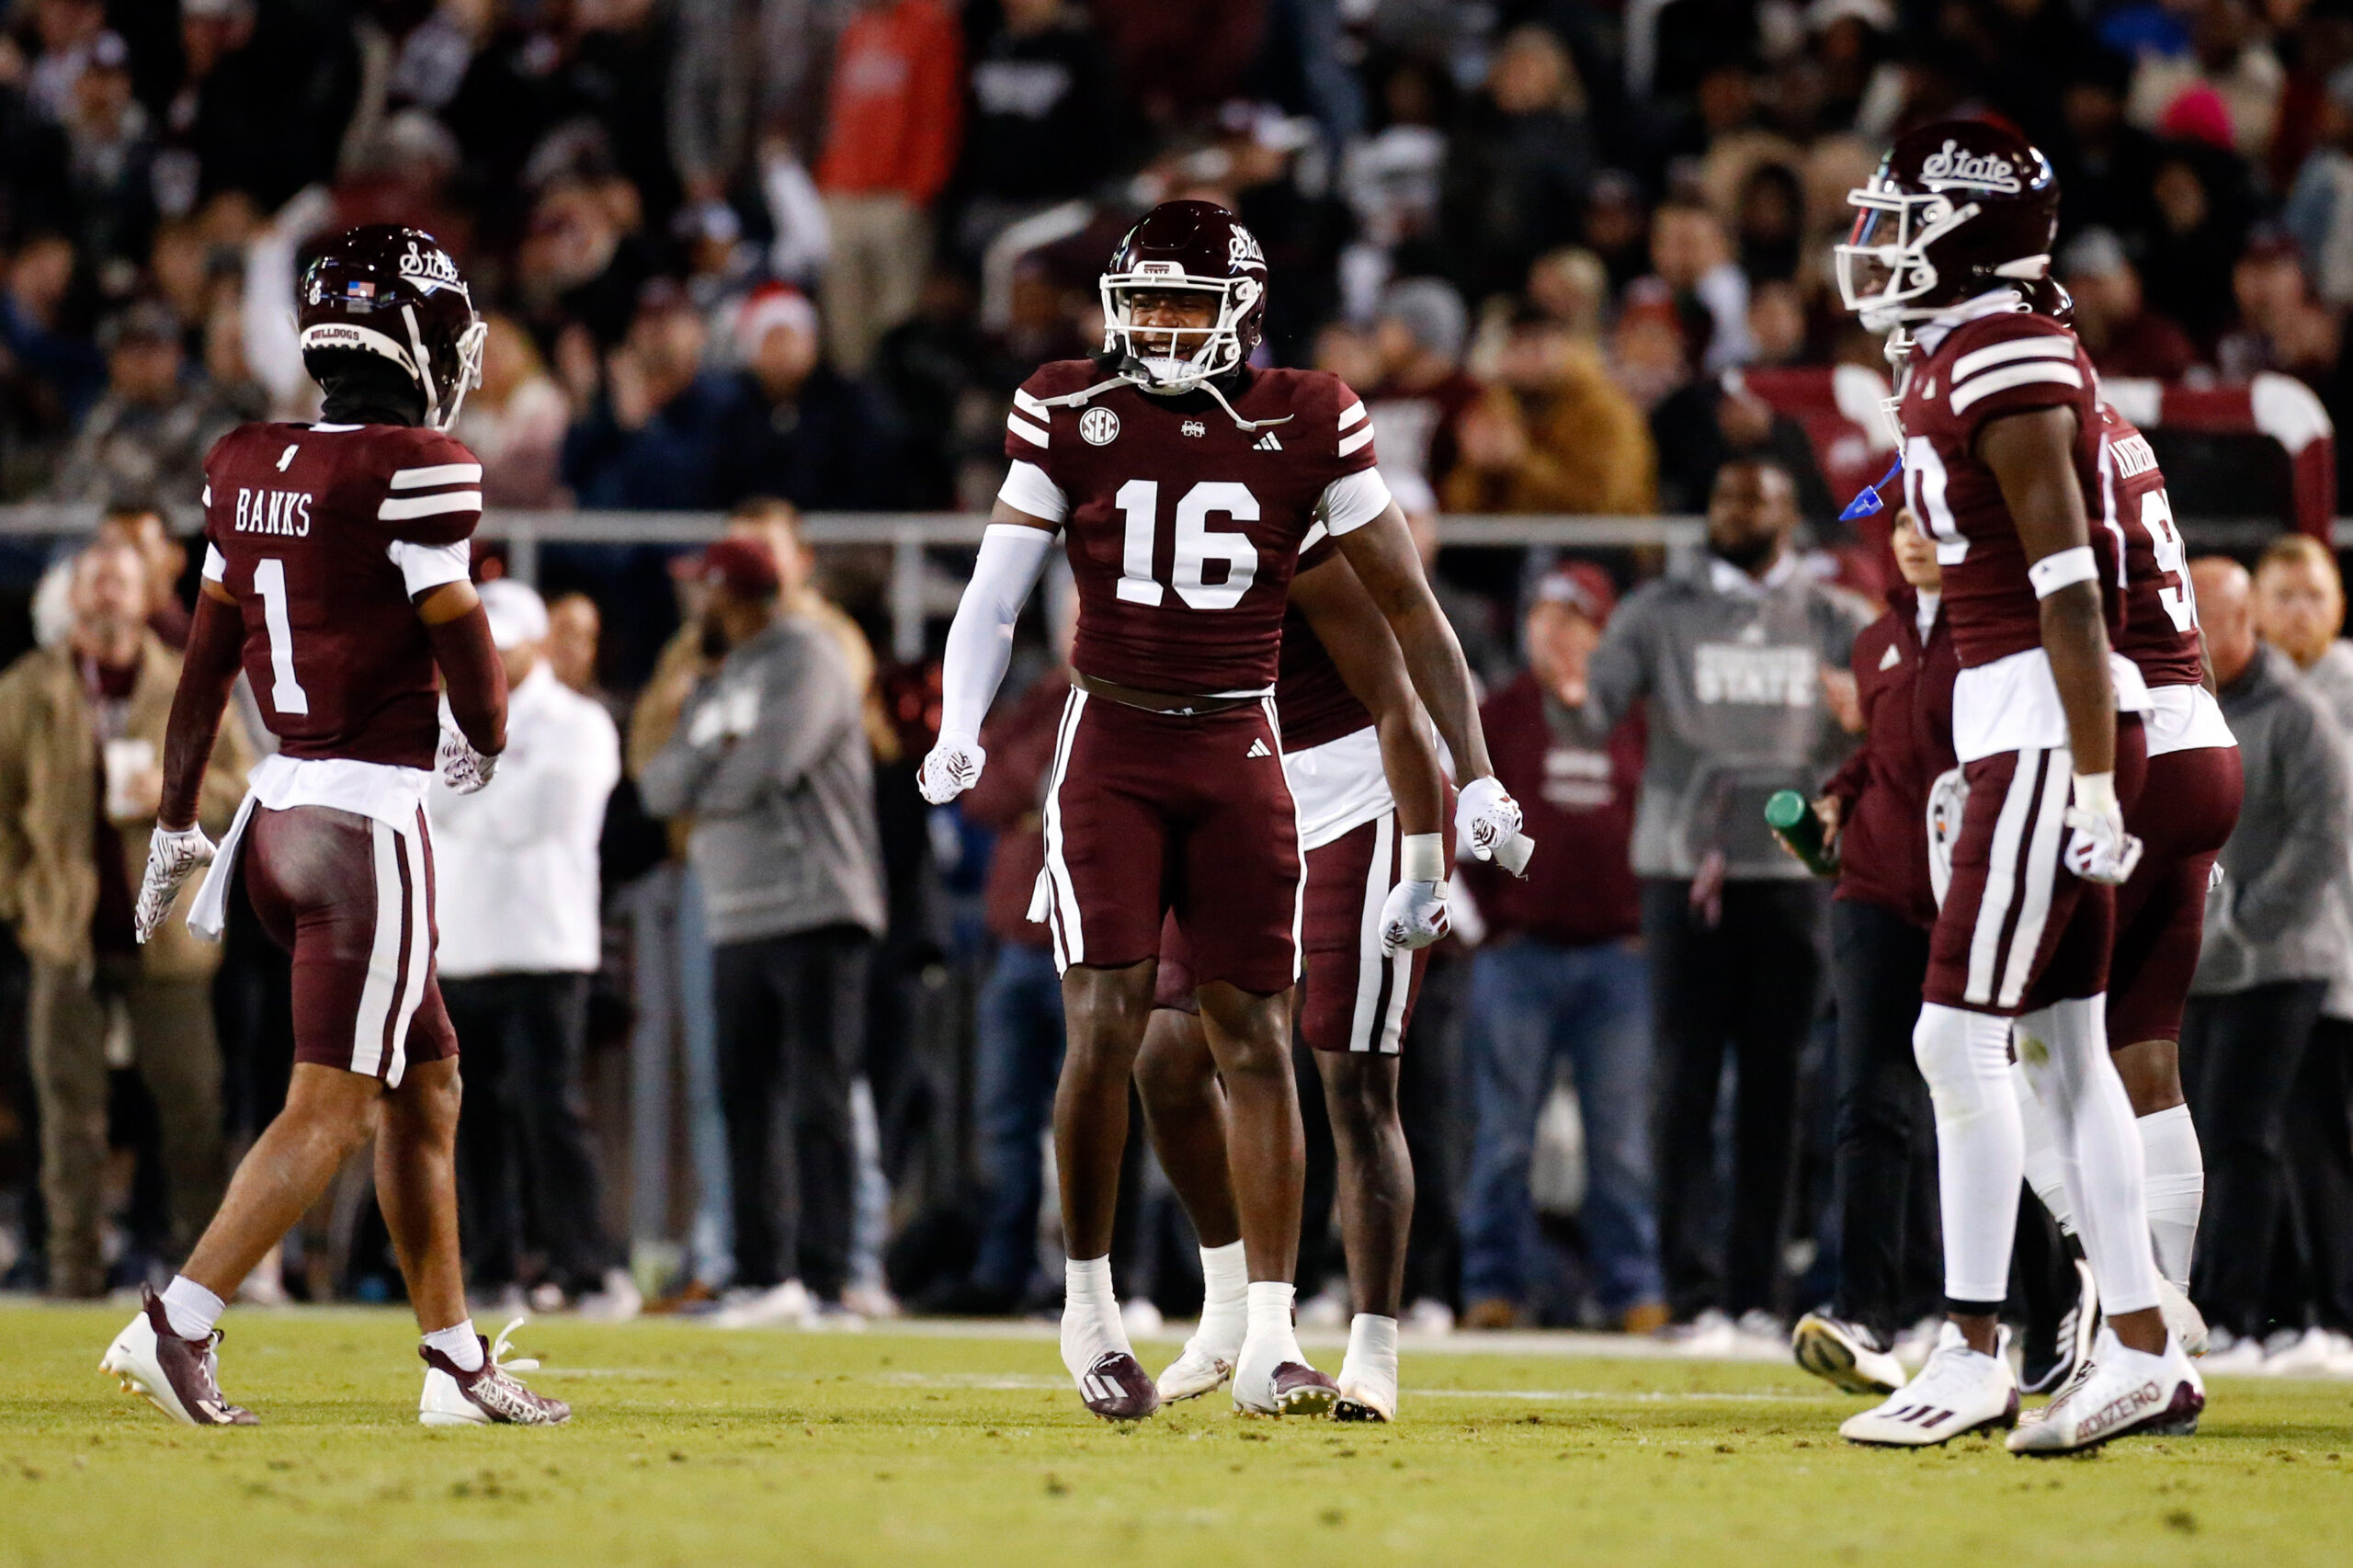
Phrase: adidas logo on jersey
(1266, 443)
(1257, 748)
(1892, 658)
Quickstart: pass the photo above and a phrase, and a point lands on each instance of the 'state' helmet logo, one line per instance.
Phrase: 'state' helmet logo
(1098, 426)
(1977, 171)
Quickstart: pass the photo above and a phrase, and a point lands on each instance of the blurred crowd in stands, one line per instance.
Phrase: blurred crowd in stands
(791, 256)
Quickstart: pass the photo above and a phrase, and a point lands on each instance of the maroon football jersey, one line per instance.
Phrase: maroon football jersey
(1183, 528)
(1313, 700)
(323, 532)
(2160, 610)
(2012, 362)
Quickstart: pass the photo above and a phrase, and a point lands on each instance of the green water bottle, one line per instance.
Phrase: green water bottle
(1790, 816)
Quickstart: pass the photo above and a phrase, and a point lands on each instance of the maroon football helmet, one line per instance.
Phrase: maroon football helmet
(1188, 246)
(394, 292)
(1954, 210)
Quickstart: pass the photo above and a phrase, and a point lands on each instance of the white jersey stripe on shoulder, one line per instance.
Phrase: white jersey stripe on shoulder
(436, 473)
(1032, 407)
(419, 912)
(397, 509)
(1351, 414)
(1027, 431)
(2039, 347)
(1357, 442)
(377, 994)
(1987, 384)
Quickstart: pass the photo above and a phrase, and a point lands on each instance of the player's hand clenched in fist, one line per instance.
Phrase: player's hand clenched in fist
(173, 856)
(1414, 916)
(1486, 818)
(2098, 849)
(462, 768)
(950, 769)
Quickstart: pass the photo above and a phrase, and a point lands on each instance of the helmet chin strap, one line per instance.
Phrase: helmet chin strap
(424, 371)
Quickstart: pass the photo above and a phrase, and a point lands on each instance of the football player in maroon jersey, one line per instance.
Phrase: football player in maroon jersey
(1998, 408)
(1372, 802)
(337, 577)
(1185, 482)
(2183, 817)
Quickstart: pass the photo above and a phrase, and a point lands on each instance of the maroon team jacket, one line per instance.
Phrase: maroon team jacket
(1882, 791)
(1578, 801)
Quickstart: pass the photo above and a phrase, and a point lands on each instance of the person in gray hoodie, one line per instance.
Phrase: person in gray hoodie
(2300, 609)
(2275, 942)
(1742, 663)
(770, 759)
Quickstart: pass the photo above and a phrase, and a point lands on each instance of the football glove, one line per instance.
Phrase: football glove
(173, 856)
(2098, 849)
(1486, 818)
(950, 768)
(462, 768)
(1414, 916)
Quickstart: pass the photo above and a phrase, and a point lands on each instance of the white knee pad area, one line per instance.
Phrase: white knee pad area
(1980, 1147)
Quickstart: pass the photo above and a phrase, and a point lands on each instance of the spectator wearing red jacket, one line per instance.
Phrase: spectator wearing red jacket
(1561, 976)
(891, 142)
(1875, 811)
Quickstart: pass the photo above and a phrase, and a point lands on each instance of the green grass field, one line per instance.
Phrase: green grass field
(694, 1445)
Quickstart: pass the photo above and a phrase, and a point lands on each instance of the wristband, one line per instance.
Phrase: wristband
(2096, 792)
(1422, 857)
(2062, 569)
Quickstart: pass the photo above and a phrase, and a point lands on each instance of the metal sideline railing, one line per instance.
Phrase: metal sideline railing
(909, 534)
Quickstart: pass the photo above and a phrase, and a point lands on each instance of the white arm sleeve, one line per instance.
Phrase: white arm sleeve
(980, 639)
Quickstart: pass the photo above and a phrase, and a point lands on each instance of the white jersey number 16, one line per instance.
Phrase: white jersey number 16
(1197, 544)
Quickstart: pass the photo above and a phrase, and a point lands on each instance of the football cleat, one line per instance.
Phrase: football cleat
(1958, 1392)
(490, 1394)
(2125, 1394)
(2183, 1320)
(1847, 1355)
(1360, 1399)
(1115, 1388)
(1201, 1369)
(178, 1377)
(2071, 1348)
(1301, 1390)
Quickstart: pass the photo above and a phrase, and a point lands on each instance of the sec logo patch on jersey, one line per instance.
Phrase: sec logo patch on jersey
(1098, 426)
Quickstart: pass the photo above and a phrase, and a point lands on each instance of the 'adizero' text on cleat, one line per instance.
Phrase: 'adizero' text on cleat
(2126, 1393)
(178, 1377)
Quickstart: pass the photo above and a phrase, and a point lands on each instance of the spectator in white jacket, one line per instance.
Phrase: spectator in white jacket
(518, 906)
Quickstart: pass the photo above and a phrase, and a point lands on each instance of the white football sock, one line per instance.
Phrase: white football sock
(2176, 1171)
(1965, 1058)
(1091, 1326)
(2042, 1172)
(459, 1343)
(190, 1309)
(1270, 1319)
(1372, 1355)
(2064, 1050)
(1225, 1298)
